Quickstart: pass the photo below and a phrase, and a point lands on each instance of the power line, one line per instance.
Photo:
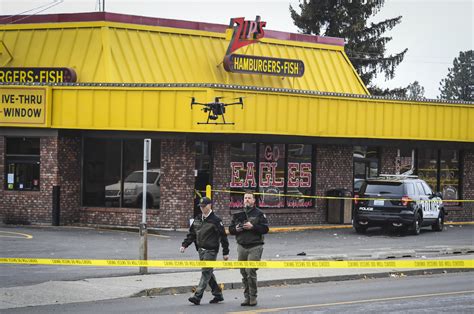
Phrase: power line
(409, 61)
(41, 8)
(355, 54)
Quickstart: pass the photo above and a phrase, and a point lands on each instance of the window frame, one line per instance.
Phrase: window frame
(122, 142)
(22, 158)
(437, 186)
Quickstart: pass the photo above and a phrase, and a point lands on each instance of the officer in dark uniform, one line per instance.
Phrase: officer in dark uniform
(206, 231)
(249, 231)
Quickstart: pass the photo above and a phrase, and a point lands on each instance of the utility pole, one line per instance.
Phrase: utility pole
(143, 229)
(101, 4)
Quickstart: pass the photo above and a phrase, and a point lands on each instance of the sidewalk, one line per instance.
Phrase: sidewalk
(95, 289)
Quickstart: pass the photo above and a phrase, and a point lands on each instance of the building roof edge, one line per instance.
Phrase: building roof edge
(152, 21)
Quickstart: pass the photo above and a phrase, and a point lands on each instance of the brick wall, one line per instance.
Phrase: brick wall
(130, 217)
(25, 207)
(69, 163)
(387, 160)
(293, 218)
(3, 208)
(334, 169)
(177, 184)
(221, 173)
(466, 210)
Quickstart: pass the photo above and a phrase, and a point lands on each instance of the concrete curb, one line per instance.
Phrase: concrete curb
(296, 281)
(398, 254)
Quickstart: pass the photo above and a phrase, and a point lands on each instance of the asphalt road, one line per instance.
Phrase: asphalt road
(449, 293)
(83, 243)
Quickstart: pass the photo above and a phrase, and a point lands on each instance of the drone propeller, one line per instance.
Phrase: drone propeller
(240, 102)
(194, 102)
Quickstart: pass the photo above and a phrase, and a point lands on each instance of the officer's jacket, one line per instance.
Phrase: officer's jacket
(207, 233)
(254, 236)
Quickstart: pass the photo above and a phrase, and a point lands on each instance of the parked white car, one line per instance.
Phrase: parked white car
(133, 189)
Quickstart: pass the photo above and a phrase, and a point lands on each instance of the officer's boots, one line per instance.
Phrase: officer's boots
(252, 301)
(245, 303)
(249, 302)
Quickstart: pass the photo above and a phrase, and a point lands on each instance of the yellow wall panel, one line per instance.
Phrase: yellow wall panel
(118, 105)
(134, 110)
(470, 125)
(101, 107)
(151, 107)
(85, 108)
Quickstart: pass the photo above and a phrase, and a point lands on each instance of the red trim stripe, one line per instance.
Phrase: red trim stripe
(152, 21)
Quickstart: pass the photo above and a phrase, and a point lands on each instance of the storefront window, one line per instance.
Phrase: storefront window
(449, 175)
(22, 164)
(113, 175)
(271, 179)
(133, 174)
(299, 177)
(243, 172)
(101, 184)
(366, 164)
(428, 167)
(203, 172)
(282, 174)
(405, 162)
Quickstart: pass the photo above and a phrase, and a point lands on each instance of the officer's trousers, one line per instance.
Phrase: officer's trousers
(249, 275)
(207, 275)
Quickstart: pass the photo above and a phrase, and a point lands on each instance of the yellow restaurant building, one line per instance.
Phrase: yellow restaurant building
(236, 106)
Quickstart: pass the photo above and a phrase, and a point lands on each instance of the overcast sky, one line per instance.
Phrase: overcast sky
(434, 31)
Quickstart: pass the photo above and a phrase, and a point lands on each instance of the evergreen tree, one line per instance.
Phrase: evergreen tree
(415, 90)
(365, 45)
(398, 92)
(459, 84)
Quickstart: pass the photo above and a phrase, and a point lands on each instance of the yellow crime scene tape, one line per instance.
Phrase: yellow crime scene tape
(243, 264)
(336, 197)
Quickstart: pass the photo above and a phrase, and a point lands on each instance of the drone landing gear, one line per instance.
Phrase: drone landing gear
(232, 123)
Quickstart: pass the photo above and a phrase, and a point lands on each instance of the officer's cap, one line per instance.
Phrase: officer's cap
(205, 201)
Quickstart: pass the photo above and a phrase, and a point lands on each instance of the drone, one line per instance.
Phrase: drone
(216, 109)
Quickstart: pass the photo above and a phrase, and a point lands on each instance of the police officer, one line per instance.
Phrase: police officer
(206, 231)
(249, 235)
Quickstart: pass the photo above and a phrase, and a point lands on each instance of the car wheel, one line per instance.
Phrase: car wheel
(358, 228)
(416, 227)
(439, 224)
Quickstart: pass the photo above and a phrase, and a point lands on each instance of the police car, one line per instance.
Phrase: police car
(405, 202)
